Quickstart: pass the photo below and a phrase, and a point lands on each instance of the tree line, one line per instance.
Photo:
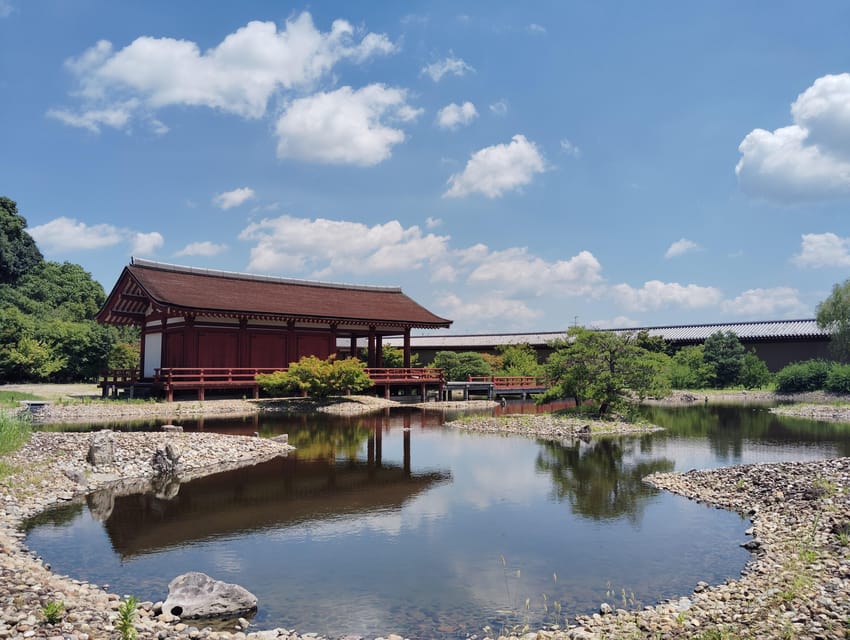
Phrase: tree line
(47, 327)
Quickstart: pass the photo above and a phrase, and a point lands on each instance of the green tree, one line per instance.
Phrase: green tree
(519, 360)
(604, 367)
(754, 372)
(689, 370)
(393, 357)
(18, 251)
(459, 366)
(833, 315)
(725, 353)
(318, 378)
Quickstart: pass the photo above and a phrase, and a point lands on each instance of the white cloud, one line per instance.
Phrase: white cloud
(63, 234)
(205, 248)
(518, 271)
(494, 170)
(808, 160)
(329, 247)
(116, 117)
(6, 8)
(656, 294)
(230, 199)
(620, 322)
(68, 234)
(453, 116)
(680, 247)
(345, 126)
(144, 244)
(499, 108)
(451, 65)
(823, 250)
(570, 149)
(762, 303)
(433, 223)
(491, 307)
(536, 29)
(239, 75)
(444, 273)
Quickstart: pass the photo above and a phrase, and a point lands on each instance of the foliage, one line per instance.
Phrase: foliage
(53, 611)
(838, 379)
(833, 315)
(809, 375)
(653, 344)
(124, 355)
(12, 399)
(519, 360)
(754, 372)
(725, 353)
(495, 361)
(318, 378)
(47, 327)
(14, 432)
(460, 366)
(393, 357)
(18, 251)
(604, 367)
(126, 618)
(689, 370)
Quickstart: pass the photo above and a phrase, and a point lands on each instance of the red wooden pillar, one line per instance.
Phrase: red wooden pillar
(190, 342)
(291, 343)
(352, 349)
(332, 349)
(242, 354)
(407, 347)
(141, 351)
(370, 362)
(379, 351)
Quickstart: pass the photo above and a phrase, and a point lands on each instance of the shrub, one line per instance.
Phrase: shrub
(317, 378)
(809, 375)
(725, 352)
(689, 370)
(459, 366)
(838, 379)
(754, 372)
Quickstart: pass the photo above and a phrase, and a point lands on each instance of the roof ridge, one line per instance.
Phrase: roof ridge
(236, 275)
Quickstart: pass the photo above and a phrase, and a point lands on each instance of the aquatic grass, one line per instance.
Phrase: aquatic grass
(53, 611)
(14, 431)
(12, 399)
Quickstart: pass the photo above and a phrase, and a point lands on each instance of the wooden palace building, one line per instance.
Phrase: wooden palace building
(204, 329)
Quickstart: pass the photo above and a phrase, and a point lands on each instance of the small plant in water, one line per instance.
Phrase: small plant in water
(126, 617)
(52, 611)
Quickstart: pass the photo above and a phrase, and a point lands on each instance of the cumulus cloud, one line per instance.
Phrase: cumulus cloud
(345, 126)
(144, 244)
(433, 223)
(453, 115)
(327, 247)
(808, 160)
(239, 75)
(6, 8)
(230, 199)
(536, 29)
(823, 250)
(62, 235)
(761, 303)
(493, 308)
(205, 249)
(499, 108)
(492, 171)
(680, 247)
(447, 66)
(656, 294)
(620, 322)
(516, 270)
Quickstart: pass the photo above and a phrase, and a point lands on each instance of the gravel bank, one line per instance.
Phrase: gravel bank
(822, 412)
(742, 396)
(549, 426)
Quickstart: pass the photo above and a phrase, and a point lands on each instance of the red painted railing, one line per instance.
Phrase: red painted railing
(512, 382)
(402, 375)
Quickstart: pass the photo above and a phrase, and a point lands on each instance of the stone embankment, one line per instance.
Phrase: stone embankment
(822, 412)
(550, 426)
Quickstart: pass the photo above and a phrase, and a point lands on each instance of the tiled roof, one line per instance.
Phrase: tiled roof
(746, 331)
(203, 291)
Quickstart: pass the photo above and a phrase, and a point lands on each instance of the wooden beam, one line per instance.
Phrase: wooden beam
(133, 315)
(134, 297)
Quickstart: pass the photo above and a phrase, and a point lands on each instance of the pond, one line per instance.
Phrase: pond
(395, 524)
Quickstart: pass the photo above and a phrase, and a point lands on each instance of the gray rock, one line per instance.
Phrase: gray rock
(101, 449)
(197, 595)
(283, 437)
(166, 460)
(171, 428)
(605, 609)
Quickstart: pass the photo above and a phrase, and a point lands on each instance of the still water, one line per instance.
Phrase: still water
(393, 523)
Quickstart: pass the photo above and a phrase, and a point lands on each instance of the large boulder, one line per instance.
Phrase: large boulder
(196, 595)
(166, 460)
(101, 449)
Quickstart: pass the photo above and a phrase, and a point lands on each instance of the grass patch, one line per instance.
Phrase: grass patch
(14, 432)
(12, 399)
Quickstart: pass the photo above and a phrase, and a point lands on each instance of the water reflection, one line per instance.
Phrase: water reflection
(601, 479)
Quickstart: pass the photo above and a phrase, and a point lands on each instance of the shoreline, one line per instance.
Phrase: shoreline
(797, 580)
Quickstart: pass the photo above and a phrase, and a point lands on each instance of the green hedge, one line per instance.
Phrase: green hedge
(809, 375)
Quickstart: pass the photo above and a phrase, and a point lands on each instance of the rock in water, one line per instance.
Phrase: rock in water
(101, 449)
(197, 595)
(166, 460)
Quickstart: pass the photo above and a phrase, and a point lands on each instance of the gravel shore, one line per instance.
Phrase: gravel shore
(796, 585)
(550, 426)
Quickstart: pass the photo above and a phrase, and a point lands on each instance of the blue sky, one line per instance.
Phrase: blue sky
(513, 166)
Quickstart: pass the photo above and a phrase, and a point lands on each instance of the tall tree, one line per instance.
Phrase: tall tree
(833, 315)
(726, 354)
(18, 251)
